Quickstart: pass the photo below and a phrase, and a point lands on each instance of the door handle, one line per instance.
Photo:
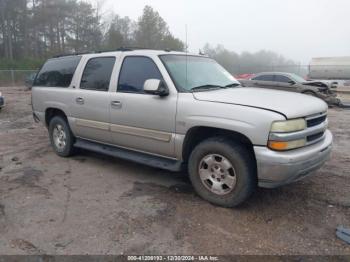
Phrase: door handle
(116, 104)
(79, 101)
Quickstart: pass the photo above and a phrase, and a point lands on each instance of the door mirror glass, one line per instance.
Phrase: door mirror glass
(155, 87)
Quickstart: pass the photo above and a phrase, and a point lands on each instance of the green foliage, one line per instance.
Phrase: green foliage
(21, 64)
(43, 28)
(150, 31)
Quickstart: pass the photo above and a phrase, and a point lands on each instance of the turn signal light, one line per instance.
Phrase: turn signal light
(286, 145)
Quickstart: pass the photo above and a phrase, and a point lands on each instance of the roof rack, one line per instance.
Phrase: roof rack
(71, 54)
(120, 49)
(134, 48)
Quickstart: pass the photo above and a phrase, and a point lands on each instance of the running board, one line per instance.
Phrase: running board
(138, 157)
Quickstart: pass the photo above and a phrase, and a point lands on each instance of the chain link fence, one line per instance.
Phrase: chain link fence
(16, 77)
(23, 77)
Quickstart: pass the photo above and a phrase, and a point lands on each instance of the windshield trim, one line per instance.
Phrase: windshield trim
(177, 86)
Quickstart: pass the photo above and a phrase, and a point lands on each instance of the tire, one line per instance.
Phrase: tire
(61, 137)
(236, 184)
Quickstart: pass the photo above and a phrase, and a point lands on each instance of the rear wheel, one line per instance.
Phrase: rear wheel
(222, 171)
(61, 136)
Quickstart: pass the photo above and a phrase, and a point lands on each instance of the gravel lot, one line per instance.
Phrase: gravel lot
(93, 204)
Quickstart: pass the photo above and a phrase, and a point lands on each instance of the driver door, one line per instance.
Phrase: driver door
(285, 83)
(141, 121)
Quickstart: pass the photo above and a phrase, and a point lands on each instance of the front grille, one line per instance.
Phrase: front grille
(316, 121)
(314, 137)
(313, 123)
(312, 134)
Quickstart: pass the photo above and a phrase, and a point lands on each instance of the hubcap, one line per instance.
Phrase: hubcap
(59, 137)
(217, 174)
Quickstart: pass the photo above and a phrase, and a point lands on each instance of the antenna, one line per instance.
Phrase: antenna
(186, 39)
(186, 55)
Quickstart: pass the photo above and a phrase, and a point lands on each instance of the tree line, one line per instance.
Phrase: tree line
(42, 28)
(33, 30)
(247, 62)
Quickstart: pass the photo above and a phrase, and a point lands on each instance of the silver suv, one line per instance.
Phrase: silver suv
(178, 111)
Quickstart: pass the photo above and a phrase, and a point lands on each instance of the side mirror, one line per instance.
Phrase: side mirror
(155, 87)
(291, 82)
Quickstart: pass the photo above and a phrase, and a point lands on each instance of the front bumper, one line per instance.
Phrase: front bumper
(2, 101)
(280, 168)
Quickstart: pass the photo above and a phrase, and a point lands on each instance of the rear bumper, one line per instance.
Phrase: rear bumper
(280, 168)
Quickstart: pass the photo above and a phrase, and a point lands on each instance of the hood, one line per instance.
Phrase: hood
(291, 105)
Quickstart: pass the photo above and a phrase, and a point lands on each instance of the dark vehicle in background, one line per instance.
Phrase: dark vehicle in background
(30, 80)
(2, 101)
(294, 83)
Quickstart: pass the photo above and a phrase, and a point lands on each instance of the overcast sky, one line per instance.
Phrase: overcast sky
(297, 29)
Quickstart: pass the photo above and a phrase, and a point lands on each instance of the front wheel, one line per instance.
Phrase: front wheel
(61, 136)
(222, 171)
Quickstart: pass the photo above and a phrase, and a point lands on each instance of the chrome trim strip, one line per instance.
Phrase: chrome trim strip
(128, 130)
(92, 124)
(141, 132)
(300, 134)
(316, 116)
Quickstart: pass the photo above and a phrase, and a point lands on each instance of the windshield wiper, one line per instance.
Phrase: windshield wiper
(233, 85)
(213, 87)
(206, 87)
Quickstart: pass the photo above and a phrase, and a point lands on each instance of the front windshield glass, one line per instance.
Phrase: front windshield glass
(297, 78)
(189, 72)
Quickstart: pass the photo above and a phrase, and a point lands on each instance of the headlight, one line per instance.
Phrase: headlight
(288, 126)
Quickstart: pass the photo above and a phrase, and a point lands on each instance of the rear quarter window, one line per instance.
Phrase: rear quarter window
(57, 72)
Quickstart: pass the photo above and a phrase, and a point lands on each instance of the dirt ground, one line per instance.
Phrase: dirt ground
(93, 204)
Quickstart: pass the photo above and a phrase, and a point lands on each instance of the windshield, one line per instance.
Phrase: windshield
(297, 78)
(193, 72)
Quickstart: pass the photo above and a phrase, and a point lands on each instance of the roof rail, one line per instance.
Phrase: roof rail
(120, 49)
(133, 48)
(71, 54)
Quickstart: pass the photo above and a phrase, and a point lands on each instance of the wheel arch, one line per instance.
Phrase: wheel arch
(197, 134)
(51, 112)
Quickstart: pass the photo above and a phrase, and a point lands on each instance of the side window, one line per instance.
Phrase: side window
(135, 71)
(57, 72)
(263, 78)
(282, 79)
(97, 74)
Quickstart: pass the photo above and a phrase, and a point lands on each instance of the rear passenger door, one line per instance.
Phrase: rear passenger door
(91, 100)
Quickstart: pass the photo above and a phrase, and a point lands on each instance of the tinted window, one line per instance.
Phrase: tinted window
(57, 72)
(283, 79)
(97, 74)
(134, 73)
(264, 78)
